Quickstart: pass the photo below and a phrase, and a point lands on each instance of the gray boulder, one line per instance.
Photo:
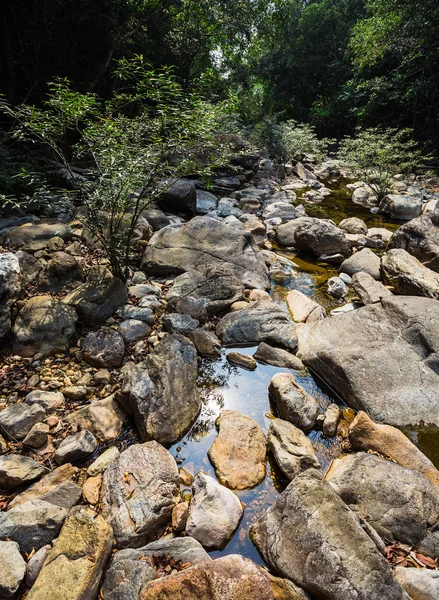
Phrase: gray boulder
(10, 278)
(401, 207)
(179, 323)
(95, 301)
(179, 196)
(409, 276)
(140, 489)
(133, 330)
(76, 447)
(61, 273)
(319, 237)
(12, 569)
(36, 237)
(138, 313)
(17, 420)
(368, 289)
(277, 357)
(50, 401)
(104, 348)
(365, 260)
(205, 202)
(16, 470)
(420, 584)
(206, 343)
(337, 287)
(398, 335)
(353, 225)
(261, 321)
(292, 450)
(420, 238)
(156, 218)
(292, 402)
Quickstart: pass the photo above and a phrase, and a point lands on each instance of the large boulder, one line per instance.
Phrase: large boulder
(401, 207)
(238, 452)
(310, 536)
(292, 450)
(36, 237)
(420, 238)
(214, 285)
(161, 392)
(45, 326)
(10, 278)
(140, 489)
(400, 504)
(381, 358)
(95, 301)
(409, 276)
(369, 289)
(203, 240)
(75, 564)
(319, 237)
(261, 321)
(292, 402)
(179, 196)
(363, 261)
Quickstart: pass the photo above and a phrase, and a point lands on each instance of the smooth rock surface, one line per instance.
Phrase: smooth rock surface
(420, 584)
(293, 403)
(301, 306)
(401, 207)
(292, 450)
(364, 260)
(277, 357)
(103, 418)
(206, 343)
(57, 487)
(76, 447)
(368, 289)
(409, 276)
(17, 420)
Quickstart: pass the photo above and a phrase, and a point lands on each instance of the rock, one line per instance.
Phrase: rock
(140, 490)
(156, 218)
(188, 306)
(49, 401)
(353, 225)
(242, 360)
(420, 584)
(16, 470)
(77, 560)
(61, 273)
(239, 451)
(215, 512)
(202, 241)
(214, 285)
(179, 196)
(379, 233)
(55, 488)
(401, 207)
(368, 289)
(365, 261)
(35, 564)
(206, 343)
(256, 295)
(30, 267)
(17, 420)
(185, 477)
(91, 490)
(420, 238)
(292, 450)
(36, 237)
(229, 578)
(277, 357)
(205, 202)
(282, 210)
(144, 289)
(95, 301)
(330, 423)
(37, 436)
(75, 392)
(102, 377)
(103, 418)
(104, 348)
(390, 442)
(102, 462)
(12, 569)
(10, 277)
(133, 330)
(332, 556)
(293, 403)
(337, 287)
(301, 306)
(4, 447)
(283, 589)
(32, 524)
(161, 392)
(398, 335)
(128, 311)
(260, 322)
(315, 236)
(400, 504)
(178, 323)
(408, 276)
(364, 196)
(180, 515)
(76, 447)
(45, 326)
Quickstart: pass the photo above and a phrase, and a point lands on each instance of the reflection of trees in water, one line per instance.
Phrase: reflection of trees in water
(214, 374)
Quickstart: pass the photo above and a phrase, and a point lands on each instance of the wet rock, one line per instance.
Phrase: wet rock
(12, 569)
(215, 512)
(202, 241)
(228, 578)
(399, 503)
(76, 447)
(77, 560)
(161, 392)
(55, 488)
(301, 307)
(17, 420)
(390, 442)
(277, 357)
(178, 323)
(353, 225)
(103, 418)
(215, 285)
(102, 462)
(140, 490)
(364, 260)
(293, 403)
(398, 335)
(206, 343)
(37, 436)
(330, 423)
(16, 470)
(32, 524)
(45, 326)
(133, 330)
(260, 322)
(36, 237)
(420, 238)
(104, 348)
(337, 287)
(128, 311)
(35, 564)
(95, 301)
(408, 276)
(62, 272)
(242, 360)
(368, 289)
(239, 451)
(179, 196)
(332, 557)
(49, 401)
(205, 202)
(292, 450)
(420, 584)
(401, 207)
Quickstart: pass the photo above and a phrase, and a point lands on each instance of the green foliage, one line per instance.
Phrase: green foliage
(377, 155)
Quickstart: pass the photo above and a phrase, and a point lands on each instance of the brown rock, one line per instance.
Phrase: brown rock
(104, 418)
(180, 516)
(91, 490)
(242, 360)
